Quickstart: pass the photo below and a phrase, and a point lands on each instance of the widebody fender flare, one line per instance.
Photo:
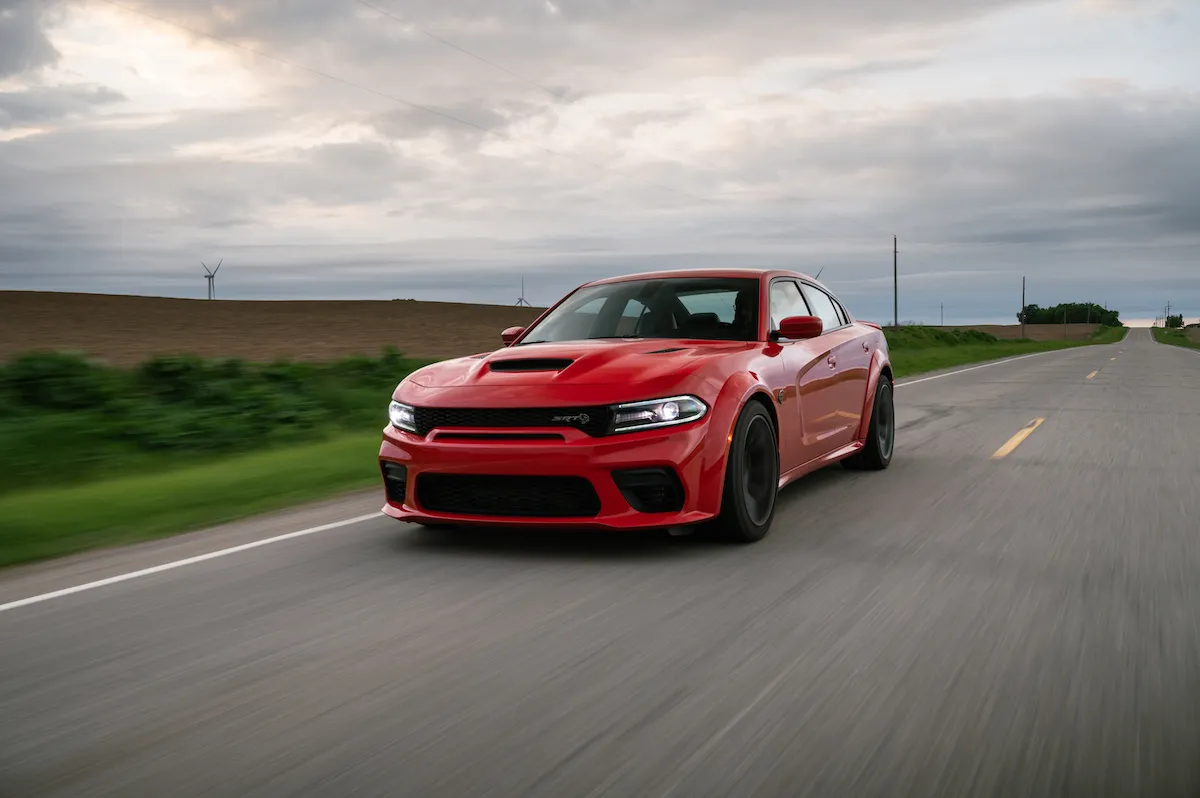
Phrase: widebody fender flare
(739, 389)
(878, 363)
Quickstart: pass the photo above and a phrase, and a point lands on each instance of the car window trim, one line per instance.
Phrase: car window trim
(770, 327)
(833, 299)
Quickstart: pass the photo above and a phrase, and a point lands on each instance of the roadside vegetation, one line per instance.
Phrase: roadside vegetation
(94, 455)
(1177, 336)
(916, 350)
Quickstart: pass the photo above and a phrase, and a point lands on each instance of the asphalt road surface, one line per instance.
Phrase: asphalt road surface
(961, 624)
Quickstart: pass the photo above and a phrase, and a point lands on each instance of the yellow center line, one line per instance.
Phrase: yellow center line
(1093, 374)
(1112, 358)
(1015, 441)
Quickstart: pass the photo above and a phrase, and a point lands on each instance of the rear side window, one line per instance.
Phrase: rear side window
(823, 307)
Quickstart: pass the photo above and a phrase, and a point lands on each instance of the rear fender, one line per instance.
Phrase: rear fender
(878, 361)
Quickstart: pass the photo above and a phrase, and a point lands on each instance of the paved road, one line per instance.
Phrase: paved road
(957, 625)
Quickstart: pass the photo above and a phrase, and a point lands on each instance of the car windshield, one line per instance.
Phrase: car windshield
(694, 308)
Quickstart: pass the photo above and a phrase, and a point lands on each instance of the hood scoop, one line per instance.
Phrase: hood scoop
(666, 351)
(528, 364)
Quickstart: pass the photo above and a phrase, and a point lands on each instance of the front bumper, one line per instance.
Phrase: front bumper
(584, 475)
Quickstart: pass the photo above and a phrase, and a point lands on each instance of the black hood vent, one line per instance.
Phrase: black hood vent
(666, 351)
(530, 364)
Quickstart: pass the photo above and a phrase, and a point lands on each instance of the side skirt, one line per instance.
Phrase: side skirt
(820, 462)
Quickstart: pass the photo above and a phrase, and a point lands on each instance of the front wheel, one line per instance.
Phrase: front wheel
(876, 453)
(751, 478)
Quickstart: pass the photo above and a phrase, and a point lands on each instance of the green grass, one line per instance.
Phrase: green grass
(67, 421)
(1173, 337)
(915, 350)
(250, 438)
(38, 524)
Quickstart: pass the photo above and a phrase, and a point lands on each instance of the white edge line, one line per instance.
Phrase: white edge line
(112, 580)
(984, 366)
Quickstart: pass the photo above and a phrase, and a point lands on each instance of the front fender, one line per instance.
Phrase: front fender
(733, 396)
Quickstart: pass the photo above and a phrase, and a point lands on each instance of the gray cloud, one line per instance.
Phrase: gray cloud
(52, 103)
(23, 42)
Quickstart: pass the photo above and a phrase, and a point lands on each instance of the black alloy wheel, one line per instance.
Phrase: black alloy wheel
(880, 444)
(751, 477)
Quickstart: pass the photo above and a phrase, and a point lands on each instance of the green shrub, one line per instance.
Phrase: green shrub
(65, 419)
(921, 337)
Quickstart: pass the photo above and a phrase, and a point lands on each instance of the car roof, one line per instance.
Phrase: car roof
(755, 273)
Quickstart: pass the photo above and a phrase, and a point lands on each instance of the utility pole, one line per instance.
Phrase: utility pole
(942, 305)
(1022, 307)
(895, 282)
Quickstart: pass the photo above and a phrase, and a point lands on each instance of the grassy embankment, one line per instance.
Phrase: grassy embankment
(916, 350)
(1174, 337)
(94, 456)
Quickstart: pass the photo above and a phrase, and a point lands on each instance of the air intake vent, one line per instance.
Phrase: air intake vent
(666, 351)
(531, 364)
(395, 482)
(651, 490)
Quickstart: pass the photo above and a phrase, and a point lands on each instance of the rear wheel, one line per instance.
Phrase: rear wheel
(751, 478)
(876, 453)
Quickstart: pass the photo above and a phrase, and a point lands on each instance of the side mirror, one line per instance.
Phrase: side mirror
(798, 328)
(511, 334)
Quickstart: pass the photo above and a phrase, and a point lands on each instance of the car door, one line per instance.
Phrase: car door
(858, 355)
(845, 364)
(807, 389)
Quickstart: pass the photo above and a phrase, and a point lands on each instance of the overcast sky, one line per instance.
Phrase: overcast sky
(326, 149)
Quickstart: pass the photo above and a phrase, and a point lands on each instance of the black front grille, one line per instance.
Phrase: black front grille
(592, 420)
(508, 496)
(650, 490)
(395, 481)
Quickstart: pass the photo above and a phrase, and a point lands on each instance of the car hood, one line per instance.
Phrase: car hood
(621, 362)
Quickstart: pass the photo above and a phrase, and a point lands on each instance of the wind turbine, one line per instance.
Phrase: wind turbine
(521, 299)
(211, 277)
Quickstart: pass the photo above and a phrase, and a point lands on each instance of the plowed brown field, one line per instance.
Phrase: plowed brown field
(125, 330)
(1037, 332)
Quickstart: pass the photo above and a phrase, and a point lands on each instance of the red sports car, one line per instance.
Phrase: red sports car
(656, 400)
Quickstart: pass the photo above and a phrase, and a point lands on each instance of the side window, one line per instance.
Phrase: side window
(841, 311)
(822, 307)
(786, 301)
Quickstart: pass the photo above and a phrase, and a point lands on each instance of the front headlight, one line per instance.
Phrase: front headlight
(654, 413)
(402, 416)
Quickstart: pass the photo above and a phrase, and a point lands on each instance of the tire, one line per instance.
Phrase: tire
(880, 444)
(751, 478)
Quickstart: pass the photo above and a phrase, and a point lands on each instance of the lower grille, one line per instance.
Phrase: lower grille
(508, 496)
(650, 490)
(395, 481)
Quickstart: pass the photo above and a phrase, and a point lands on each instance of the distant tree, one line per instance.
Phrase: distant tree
(1070, 313)
(1174, 322)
